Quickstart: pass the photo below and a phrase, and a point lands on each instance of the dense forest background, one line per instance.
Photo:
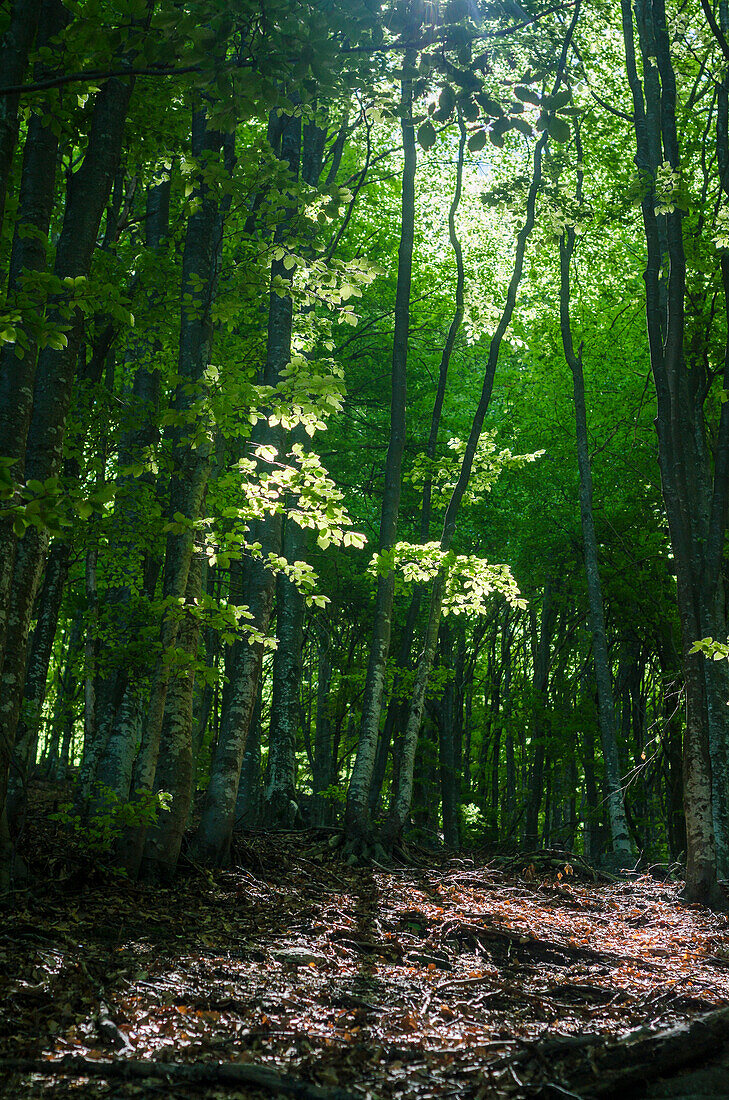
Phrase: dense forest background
(364, 427)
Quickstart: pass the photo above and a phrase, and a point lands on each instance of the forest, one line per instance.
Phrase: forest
(364, 491)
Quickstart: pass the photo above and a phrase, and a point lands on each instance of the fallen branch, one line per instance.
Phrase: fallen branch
(551, 859)
(593, 1066)
(460, 928)
(645, 1056)
(195, 1073)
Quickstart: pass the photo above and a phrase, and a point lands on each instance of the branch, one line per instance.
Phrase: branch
(715, 29)
(94, 74)
(429, 39)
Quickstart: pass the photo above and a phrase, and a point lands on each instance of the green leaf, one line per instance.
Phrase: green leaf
(490, 106)
(497, 131)
(558, 129)
(559, 99)
(469, 108)
(477, 141)
(446, 103)
(527, 95)
(427, 135)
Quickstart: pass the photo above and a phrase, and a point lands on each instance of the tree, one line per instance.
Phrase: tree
(695, 496)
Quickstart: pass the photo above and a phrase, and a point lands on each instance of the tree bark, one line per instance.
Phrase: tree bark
(211, 843)
(695, 500)
(121, 692)
(280, 794)
(540, 713)
(87, 193)
(14, 50)
(324, 770)
(250, 788)
(447, 752)
(173, 774)
(356, 819)
(191, 454)
(26, 741)
(28, 254)
(401, 800)
(603, 674)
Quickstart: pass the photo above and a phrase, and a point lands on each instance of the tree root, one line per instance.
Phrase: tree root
(361, 851)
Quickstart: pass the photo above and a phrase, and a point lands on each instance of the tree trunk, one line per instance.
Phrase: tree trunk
(394, 717)
(671, 717)
(15, 47)
(211, 843)
(174, 768)
(590, 813)
(606, 706)
(191, 455)
(36, 677)
(540, 713)
(59, 750)
(695, 497)
(399, 804)
(28, 254)
(87, 193)
(449, 776)
(280, 794)
(135, 498)
(324, 763)
(356, 820)
(250, 789)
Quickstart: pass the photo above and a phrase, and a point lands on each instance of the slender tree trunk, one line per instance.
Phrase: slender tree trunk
(58, 757)
(323, 770)
(394, 716)
(28, 254)
(356, 820)
(15, 47)
(449, 777)
(490, 739)
(211, 843)
(603, 675)
(87, 193)
(509, 804)
(250, 789)
(204, 695)
(401, 801)
(591, 811)
(36, 677)
(192, 456)
(29, 250)
(174, 768)
(695, 498)
(425, 786)
(672, 720)
(467, 733)
(280, 794)
(92, 629)
(540, 713)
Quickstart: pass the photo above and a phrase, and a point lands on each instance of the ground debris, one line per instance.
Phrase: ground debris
(457, 978)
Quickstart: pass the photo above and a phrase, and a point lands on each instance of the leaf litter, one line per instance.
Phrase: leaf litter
(423, 981)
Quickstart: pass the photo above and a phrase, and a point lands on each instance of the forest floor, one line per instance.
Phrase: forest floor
(460, 978)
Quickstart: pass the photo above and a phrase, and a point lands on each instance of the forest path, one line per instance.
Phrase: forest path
(427, 982)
